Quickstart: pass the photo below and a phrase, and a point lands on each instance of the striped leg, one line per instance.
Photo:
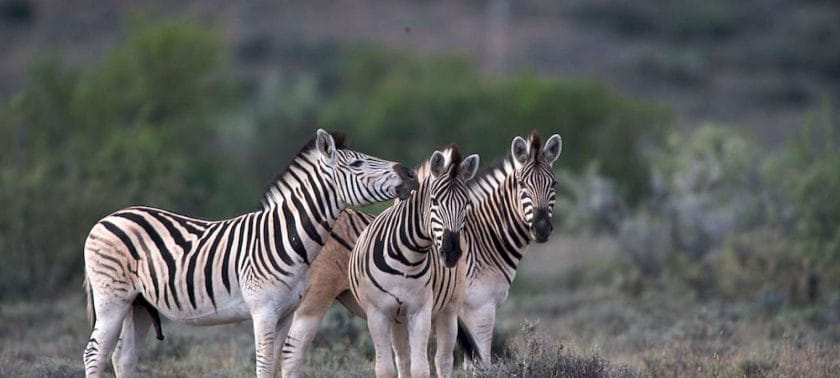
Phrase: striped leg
(135, 327)
(399, 339)
(379, 325)
(446, 330)
(110, 313)
(280, 334)
(265, 331)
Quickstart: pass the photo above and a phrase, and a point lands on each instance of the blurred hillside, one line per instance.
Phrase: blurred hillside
(759, 65)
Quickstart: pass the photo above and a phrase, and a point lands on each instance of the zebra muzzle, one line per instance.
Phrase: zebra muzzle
(409, 181)
(542, 226)
(450, 249)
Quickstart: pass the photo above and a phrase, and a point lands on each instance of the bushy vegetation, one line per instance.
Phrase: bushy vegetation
(698, 250)
(79, 142)
(725, 218)
(161, 121)
(533, 354)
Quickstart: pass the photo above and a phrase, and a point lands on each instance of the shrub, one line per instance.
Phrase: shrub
(82, 142)
(434, 102)
(533, 354)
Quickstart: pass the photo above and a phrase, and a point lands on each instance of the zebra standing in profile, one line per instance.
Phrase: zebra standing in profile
(143, 261)
(404, 270)
(513, 204)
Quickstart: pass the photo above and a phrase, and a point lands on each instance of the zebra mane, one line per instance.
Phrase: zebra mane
(340, 144)
(535, 140)
(455, 159)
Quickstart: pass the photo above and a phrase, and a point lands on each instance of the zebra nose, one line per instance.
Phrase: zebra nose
(451, 248)
(409, 181)
(405, 173)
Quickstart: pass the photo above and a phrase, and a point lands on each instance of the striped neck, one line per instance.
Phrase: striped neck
(497, 222)
(304, 203)
(404, 246)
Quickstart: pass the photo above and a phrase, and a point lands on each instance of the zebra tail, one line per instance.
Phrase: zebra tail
(467, 342)
(91, 311)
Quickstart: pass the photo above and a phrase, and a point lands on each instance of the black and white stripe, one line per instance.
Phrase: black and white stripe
(141, 260)
(404, 268)
(514, 204)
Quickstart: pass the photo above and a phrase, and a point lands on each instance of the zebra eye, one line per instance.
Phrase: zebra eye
(435, 202)
(357, 164)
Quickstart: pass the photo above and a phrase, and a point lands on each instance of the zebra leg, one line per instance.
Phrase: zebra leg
(379, 325)
(446, 330)
(110, 313)
(399, 339)
(265, 331)
(280, 335)
(304, 326)
(479, 324)
(419, 325)
(135, 326)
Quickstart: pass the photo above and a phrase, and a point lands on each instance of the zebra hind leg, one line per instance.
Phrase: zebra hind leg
(110, 313)
(131, 341)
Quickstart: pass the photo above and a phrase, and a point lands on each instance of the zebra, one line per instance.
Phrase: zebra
(497, 233)
(404, 269)
(514, 205)
(141, 262)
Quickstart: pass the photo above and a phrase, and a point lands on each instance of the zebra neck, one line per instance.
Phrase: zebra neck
(498, 225)
(304, 205)
(409, 239)
(489, 182)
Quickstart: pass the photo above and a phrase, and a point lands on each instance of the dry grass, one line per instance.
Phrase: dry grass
(546, 328)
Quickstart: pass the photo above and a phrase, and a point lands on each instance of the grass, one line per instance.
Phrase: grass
(546, 328)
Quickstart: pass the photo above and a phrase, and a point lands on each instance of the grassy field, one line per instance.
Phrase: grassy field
(547, 327)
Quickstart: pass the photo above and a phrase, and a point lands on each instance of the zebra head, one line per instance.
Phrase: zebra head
(535, 181)
(362, 179)
(449, 201)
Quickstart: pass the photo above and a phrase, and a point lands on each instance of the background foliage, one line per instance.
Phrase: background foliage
(161, 121)
(681, 249)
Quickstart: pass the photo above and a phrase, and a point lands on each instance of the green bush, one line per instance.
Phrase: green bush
(401, 106)
(805, 177)
(159, 121)
(81, 142)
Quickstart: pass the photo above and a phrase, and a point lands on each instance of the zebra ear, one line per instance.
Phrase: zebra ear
(519, 150)
(325, 144)
(437, 164)
(552, 149)
(468, 167)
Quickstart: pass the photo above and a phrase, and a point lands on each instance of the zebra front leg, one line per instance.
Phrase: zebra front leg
(109, 319)
(265, 332)
(419, 327)
(135, 326)
(379, 325)
(399, 339)
(446, 331)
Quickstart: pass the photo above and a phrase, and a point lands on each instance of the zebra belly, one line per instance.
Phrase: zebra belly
(230, 311)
